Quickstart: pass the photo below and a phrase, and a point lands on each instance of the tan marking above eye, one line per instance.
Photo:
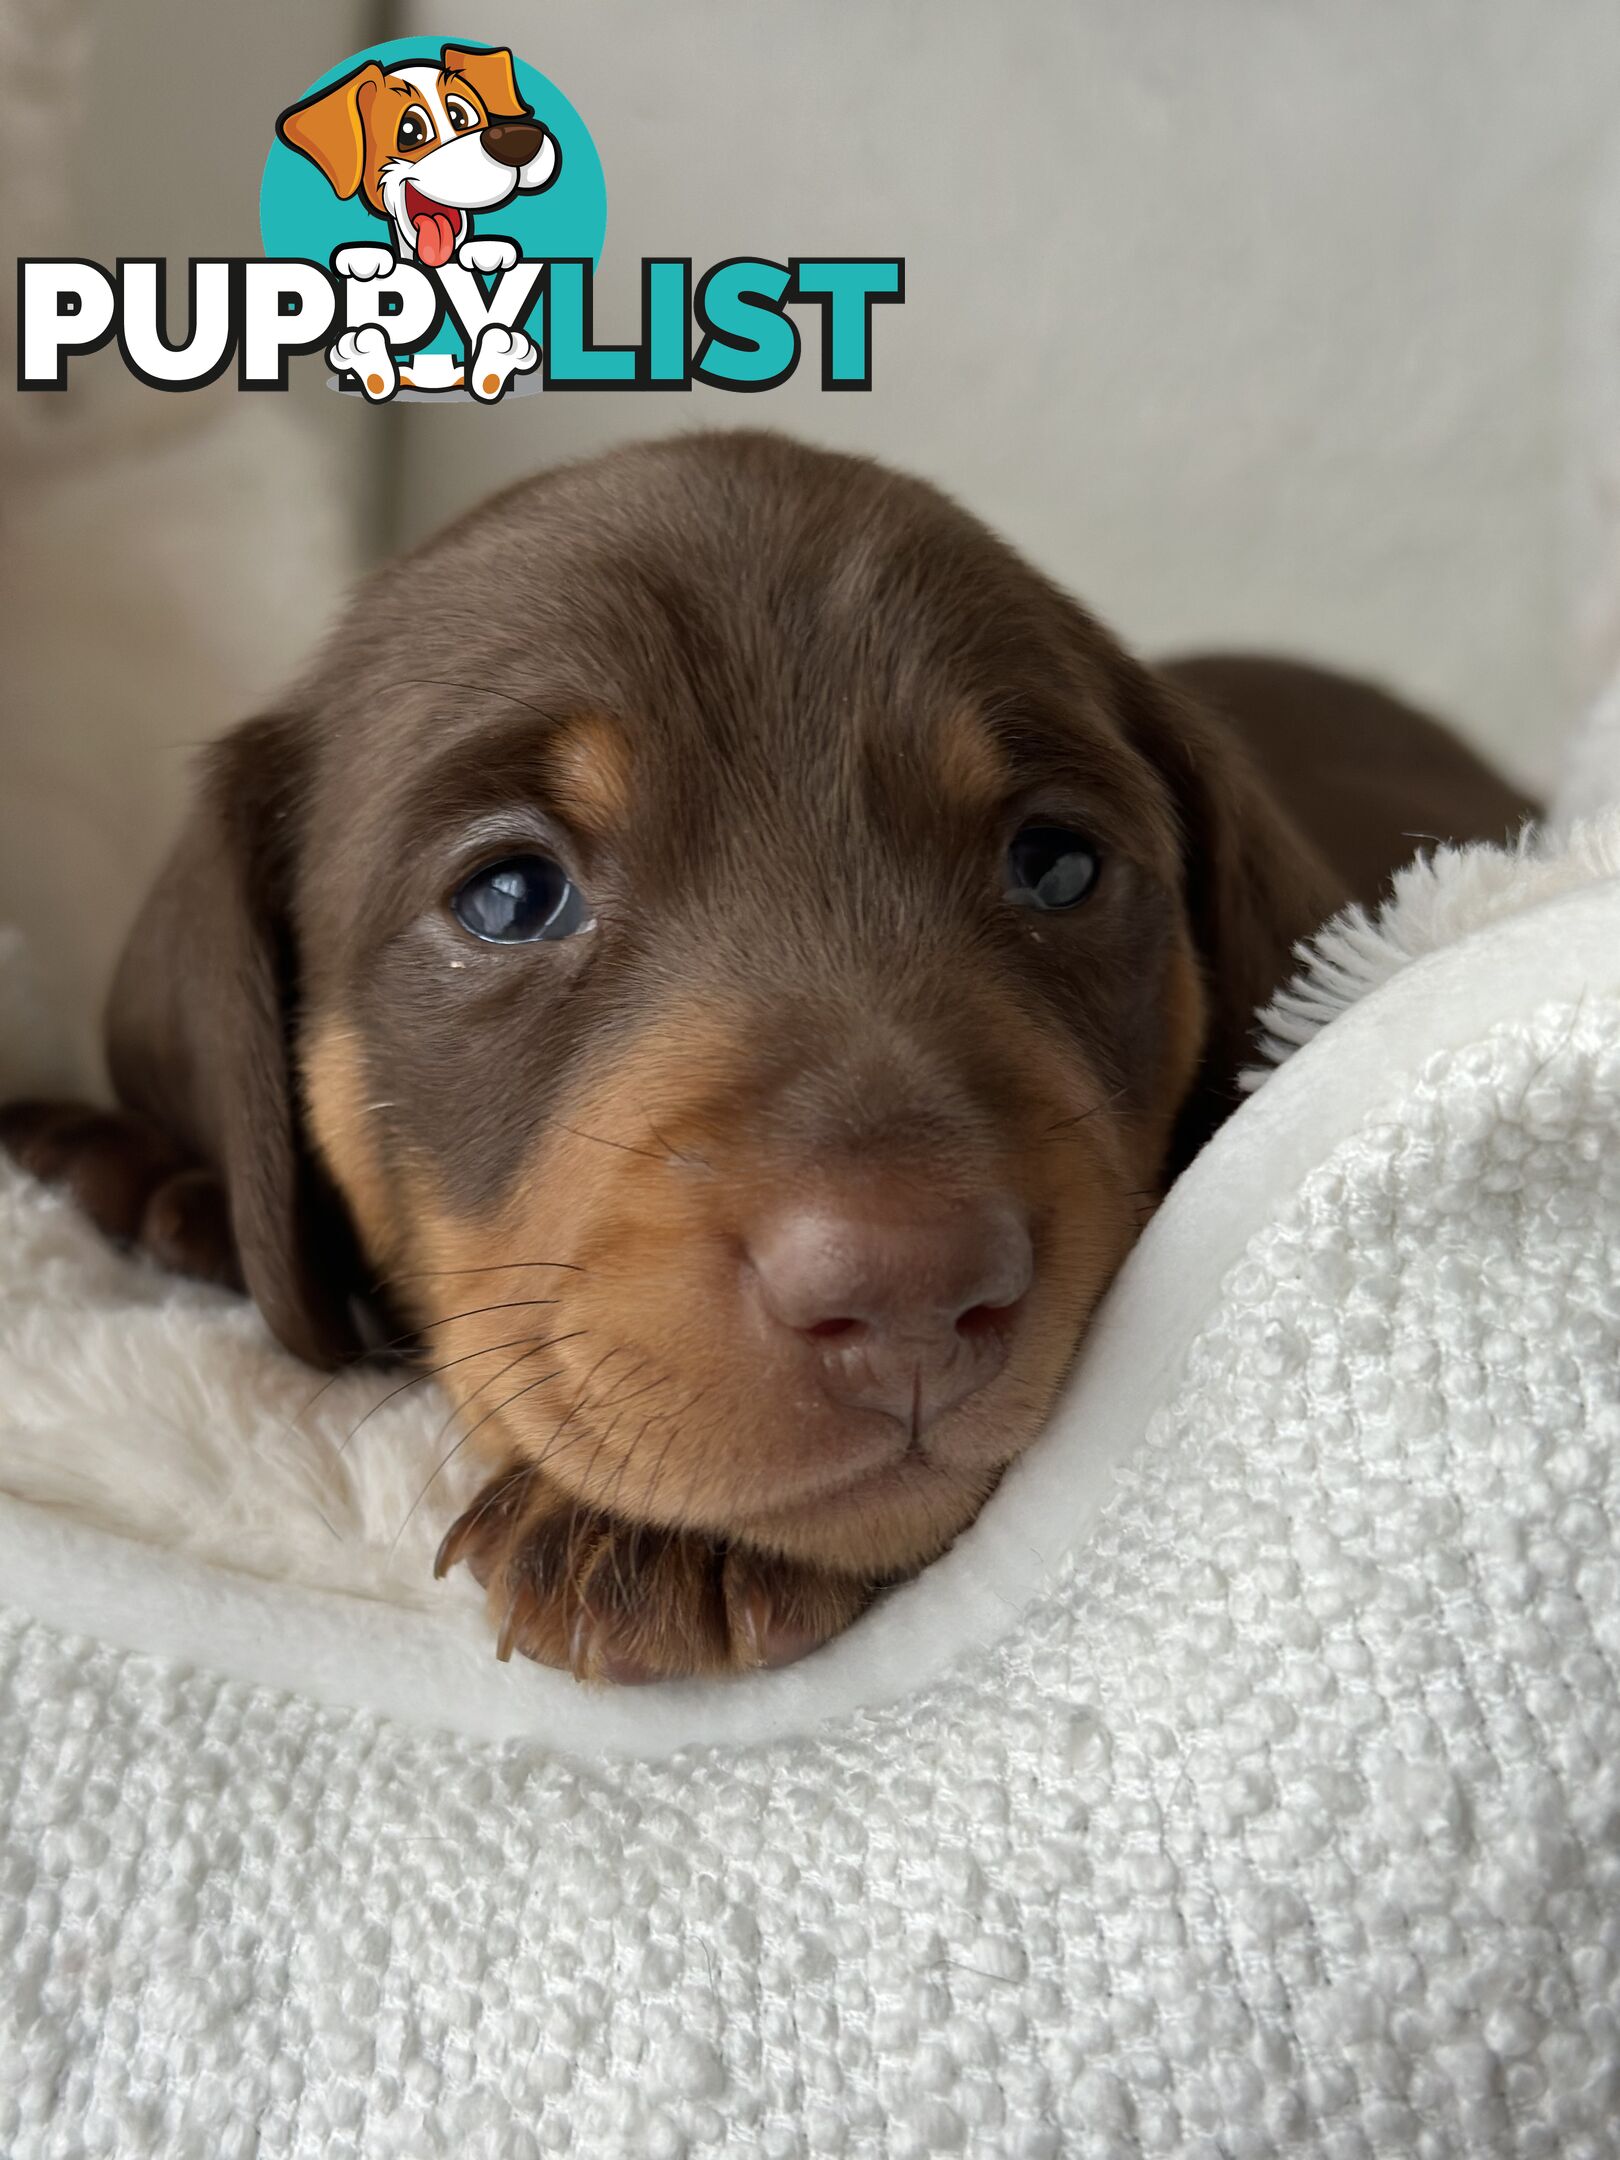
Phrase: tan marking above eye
(589, 765)
(344, 1120)
(970, 763)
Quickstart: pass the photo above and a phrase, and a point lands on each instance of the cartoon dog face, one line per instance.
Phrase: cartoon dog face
(426, 143)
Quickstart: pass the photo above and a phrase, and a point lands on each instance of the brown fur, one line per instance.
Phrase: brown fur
(779, 712)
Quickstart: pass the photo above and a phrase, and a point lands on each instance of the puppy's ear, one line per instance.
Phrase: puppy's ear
(492, 78)
(1252, 883)
(330, 128)
(199, 1035)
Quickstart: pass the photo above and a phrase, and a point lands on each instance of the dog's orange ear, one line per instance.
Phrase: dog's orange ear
(492, 79)
(330, 128)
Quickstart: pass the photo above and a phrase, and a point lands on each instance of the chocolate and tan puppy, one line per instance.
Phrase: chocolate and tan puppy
(730, 956)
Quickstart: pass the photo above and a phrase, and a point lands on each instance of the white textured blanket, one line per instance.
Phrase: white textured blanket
(1246, 1782)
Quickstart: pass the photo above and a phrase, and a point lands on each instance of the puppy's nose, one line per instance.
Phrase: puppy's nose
(513, 142)
(907, 1311)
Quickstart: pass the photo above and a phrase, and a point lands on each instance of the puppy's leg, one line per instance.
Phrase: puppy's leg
(622, 1602)
(131, 1180)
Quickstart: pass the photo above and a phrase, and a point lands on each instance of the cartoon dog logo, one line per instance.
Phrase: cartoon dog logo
(426, 144)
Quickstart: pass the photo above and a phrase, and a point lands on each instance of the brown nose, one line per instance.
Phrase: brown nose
(906, 1312)
(514, 142)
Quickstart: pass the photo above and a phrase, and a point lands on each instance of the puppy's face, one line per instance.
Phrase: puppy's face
(747, 987)
(426, 144)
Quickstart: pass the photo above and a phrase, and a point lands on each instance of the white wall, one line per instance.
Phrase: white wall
(165, 562)
(1247, 320)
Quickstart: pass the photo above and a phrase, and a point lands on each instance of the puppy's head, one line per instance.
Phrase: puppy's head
(426, 143)
(746, 951)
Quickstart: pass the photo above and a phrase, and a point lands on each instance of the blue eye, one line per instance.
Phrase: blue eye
(517, 901)
(1048, 867)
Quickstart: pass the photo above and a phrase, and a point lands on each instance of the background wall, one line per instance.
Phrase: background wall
(1250, 321)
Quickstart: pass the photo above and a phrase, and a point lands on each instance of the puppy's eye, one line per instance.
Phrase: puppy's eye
(1049, 866)
(415, 129)
(461, 115)
(517, 901)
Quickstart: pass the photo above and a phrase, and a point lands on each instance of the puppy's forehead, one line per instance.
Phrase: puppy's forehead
(425, 83)
(713, 573)
(731, 618)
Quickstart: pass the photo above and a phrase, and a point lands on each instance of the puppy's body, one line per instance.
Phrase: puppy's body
(1366, 777)
(903, 937)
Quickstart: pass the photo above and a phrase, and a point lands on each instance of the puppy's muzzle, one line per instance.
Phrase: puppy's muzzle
(903, 1307)
(513, 142)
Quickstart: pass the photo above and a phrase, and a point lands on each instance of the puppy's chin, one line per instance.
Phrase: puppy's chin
(888, 1522)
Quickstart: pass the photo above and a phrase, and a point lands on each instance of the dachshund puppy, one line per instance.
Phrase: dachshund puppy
(730, 956)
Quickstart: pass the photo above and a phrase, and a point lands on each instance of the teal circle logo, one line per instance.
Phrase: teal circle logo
(430, 148)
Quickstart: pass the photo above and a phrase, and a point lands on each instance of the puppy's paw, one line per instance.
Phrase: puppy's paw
(487, 256)
(499, 355)
(628, 1603)
(364, 352)
(132, 1182)
(364, 262)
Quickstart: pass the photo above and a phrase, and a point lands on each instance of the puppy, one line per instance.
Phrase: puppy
(731, 956)
(424, 144)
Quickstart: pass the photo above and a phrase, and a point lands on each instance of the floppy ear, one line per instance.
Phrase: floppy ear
(199, 1036)
(330, 128)
(1252, 883)
(491, 76)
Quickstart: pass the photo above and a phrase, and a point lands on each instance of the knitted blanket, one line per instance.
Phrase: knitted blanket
(1245, 1782)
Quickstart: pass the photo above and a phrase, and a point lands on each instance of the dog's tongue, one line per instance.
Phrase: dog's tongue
(435, 233)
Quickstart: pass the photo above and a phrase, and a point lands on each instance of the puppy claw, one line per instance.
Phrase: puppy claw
(477, 1530)
(778, 1611)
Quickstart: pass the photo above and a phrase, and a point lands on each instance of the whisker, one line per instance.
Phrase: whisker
(581, 1402)
(440, 1320)
(449, 682)
(448, 1459)
(675, 1155)
(494, 1267)
(398, 1342)
(672, 1418)
(1062, 1124)
(623, 1147)
(529, 1388)
(458, 1409)
(432, 1372)
(658, 1380)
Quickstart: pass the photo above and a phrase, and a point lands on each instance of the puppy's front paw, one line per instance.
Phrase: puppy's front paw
(488, 256)
(500, 354)
(626, 1603)
(364, 262)
(132, 1182)
(364, 352)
